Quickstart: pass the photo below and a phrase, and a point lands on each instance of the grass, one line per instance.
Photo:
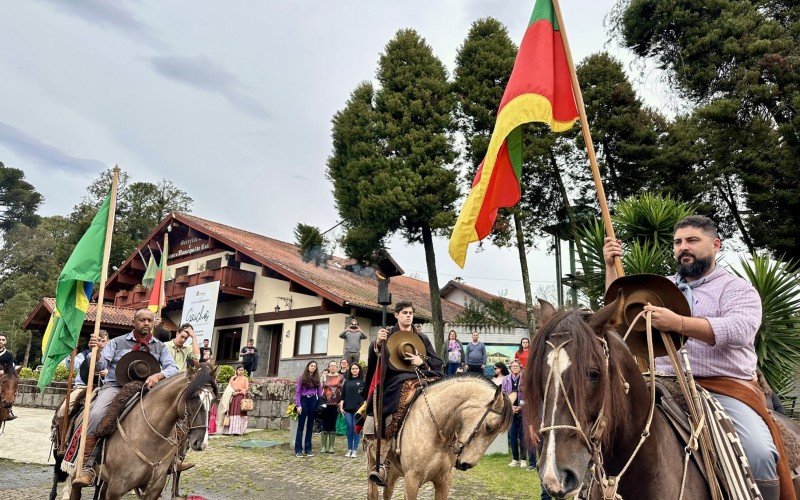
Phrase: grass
(500, 479)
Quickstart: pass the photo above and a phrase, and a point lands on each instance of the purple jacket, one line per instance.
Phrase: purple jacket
(305, 391)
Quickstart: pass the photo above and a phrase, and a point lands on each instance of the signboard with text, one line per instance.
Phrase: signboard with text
(200, 309)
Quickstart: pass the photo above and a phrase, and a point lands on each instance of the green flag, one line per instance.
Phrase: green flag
(73, 290)
(150, 273)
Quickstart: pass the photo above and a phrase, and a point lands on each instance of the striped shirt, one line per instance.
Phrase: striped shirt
(733, 308)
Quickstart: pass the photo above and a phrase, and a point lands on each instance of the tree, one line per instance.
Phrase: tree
(311, 243)
(406, 180)
(19, 200)
(140, 206)
(742, 56)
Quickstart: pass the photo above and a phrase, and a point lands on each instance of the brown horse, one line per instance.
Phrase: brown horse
(449, 428)
(139, 454)
(596, 369)
(9, 382)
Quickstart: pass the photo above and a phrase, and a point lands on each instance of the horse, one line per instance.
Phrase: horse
(448, 427)
(591, 404)
(139, 455)
(9, 382)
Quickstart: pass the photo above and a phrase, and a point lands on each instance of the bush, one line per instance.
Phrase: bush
(225, 373)
(61, 373)
(27, 373)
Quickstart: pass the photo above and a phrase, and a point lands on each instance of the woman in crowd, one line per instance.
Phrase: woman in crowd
(455, 353)
(344, 368)
(500, 373)
(516, 435)
(237, 417)
(350, 403)
(332, 391)
(522, 353)
(306, 399)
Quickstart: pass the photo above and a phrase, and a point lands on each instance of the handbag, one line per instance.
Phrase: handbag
(226, 422)
(247, 404)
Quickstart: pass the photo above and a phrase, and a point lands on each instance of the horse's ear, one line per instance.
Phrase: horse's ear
(546, 311)
(214, 371)
(608, 317)
(191, 370)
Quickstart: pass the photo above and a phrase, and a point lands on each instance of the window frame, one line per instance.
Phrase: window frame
(314, 332)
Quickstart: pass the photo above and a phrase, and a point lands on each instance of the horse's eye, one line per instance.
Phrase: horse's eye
(593, 375)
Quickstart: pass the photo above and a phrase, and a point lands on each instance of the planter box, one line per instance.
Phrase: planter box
(292, 431)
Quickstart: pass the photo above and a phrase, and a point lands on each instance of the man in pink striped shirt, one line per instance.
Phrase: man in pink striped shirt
(726, 314)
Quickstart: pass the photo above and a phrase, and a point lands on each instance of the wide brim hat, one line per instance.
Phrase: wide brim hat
(136, 365)
(638, 290)
(84, 371)
(399, 345)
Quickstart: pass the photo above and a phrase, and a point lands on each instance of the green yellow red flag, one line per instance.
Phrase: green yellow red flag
(539, 90)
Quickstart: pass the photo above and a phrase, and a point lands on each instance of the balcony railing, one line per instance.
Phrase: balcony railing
(232, 281)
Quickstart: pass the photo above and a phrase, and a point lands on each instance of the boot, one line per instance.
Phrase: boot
(331, 440)
(323, 437)
(85, 476)
(379, 475)
(10, 415)
(182, 466)
(770, 488)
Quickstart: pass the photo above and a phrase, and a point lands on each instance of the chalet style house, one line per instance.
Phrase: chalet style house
(292, 309)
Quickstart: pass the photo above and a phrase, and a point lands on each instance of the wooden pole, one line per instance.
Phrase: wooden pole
(62, 445)
(587, 137)
(162, 300)
(98, 316)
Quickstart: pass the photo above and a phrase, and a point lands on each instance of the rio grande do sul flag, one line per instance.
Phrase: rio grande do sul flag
(539, 90)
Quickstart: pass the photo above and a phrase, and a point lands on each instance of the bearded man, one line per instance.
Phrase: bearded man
(726, 314)
(140, 339)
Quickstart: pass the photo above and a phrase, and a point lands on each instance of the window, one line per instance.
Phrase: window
(214, 264)
(311, 338)
(181, 271)
(228, 344)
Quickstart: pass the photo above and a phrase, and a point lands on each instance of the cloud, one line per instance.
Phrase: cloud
(203, 74)
(110, 14)
(49, 156)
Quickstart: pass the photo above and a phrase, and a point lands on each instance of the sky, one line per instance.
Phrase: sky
(233, 101)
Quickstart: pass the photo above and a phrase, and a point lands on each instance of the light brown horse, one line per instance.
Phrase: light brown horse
(452, 431)
(139, 454)
(9, 382)
(588, 365)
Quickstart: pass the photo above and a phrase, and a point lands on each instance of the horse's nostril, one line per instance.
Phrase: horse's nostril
(570, 481)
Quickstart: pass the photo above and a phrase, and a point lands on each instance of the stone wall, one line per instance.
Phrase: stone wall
(269, 412)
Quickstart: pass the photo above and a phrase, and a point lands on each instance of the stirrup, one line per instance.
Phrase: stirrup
(84, 484)
(379, 475)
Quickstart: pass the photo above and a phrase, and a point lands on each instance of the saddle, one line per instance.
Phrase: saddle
(408, 394)
(673, 407)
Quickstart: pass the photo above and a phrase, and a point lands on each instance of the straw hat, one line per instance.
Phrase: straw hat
(638, 290)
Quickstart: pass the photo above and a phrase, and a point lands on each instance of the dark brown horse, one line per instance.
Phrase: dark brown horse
(9, 382)
(579, 366)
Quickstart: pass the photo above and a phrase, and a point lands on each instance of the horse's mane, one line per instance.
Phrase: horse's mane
(585, 352)
(475, 377)
(204, 376)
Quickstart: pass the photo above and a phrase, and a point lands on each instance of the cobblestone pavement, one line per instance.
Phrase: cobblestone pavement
(225, 470)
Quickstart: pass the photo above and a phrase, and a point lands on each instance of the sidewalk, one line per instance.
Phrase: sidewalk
(27, 439)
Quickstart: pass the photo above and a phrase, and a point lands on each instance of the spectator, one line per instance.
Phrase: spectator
(522, 353)
(332, 383)
(205, 352)
(237, 417)
(306, 399)
(344, 368)
(352, 335)
(500, 373)
(249, 356)
(182, 353)
(6, 358)
(476, 355)
(80, 358)
(350, 403)
(516, 434)
(455, 353)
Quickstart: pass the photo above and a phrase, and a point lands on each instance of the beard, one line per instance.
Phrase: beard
(696, 268)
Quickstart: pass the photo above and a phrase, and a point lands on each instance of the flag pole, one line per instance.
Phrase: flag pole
(98, 316)
(587, 137)
(65, 420)
(162, 299)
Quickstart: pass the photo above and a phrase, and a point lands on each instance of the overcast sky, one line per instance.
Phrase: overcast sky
(232, 101)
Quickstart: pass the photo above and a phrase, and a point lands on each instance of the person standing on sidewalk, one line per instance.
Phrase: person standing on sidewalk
(352, 335)
(476, 355)
(306, 399)
(332, 383)
(349, 405)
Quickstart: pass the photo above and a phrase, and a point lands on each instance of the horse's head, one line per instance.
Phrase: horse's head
(198, 398)
(577, 396)
(8, 386)
(479, 422)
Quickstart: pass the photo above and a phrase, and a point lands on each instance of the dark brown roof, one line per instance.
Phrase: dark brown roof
(338, 281)
(513, 307)
(113, 317)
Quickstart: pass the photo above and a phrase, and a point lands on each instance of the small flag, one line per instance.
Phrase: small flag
(157, 299)
(539, 90)
(150, 273)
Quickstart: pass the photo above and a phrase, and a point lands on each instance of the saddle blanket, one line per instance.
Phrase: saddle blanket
(71, 455)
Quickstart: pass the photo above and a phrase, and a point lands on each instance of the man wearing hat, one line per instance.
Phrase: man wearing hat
(721, 321)
(405, 351)
(148, 359)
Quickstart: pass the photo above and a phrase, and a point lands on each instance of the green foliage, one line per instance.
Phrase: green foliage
(778, 340)
(492, 313)
(61, 373)
(311, 243)
(27, 373)
(18, 198)
(225, 373)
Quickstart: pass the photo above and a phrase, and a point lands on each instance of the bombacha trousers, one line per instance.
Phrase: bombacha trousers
(755, 437)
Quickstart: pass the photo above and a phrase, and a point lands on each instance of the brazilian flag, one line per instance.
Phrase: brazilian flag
(73, 290)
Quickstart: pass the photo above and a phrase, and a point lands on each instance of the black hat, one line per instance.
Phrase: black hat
(136, 365)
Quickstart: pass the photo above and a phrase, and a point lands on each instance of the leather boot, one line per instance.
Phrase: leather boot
(380, 474)
(10, 416)
(182, 466)
(770, 488)
(85, 476)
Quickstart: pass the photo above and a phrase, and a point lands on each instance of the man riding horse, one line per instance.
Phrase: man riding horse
(140, 339)
(725, 316)
(427, 365)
